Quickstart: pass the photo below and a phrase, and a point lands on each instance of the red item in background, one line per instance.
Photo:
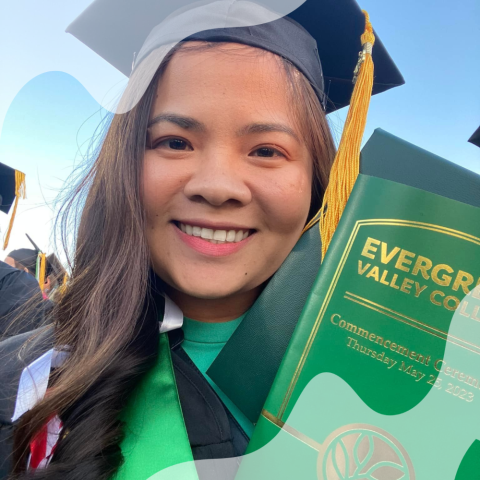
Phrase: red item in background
(43, 445)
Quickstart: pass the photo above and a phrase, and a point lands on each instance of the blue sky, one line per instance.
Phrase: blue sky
(50, 98)
(46, 133)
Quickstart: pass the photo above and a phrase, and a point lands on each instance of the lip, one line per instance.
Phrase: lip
(211, 249)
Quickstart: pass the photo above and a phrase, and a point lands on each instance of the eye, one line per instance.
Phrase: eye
(174, 144)
(267, 152)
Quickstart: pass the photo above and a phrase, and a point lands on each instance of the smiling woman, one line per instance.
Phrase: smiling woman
(210, 194)
(198, 194)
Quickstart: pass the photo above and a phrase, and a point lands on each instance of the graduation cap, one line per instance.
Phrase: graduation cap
(34, 259)
(54, 267)
(28, 257)
(322, 38)
(12, 186)
(120, 30)
(475, 138)
(47, 265)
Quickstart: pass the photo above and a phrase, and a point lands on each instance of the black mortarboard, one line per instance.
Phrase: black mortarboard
(117, 30)
(33, 258)
(54, 267)
(27, 256)
(12, 186)
(475, 138)
(7, 187)
(35, 246)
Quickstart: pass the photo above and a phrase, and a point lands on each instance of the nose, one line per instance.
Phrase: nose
(218, 180)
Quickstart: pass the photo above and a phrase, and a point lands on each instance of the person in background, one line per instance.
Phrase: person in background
(27, 260)
(54, 278)
(22, 307)
(23, 259)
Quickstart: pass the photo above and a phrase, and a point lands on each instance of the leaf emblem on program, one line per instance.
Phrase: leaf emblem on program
(365, 453)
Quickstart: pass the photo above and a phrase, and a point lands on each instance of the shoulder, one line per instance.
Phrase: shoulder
(6, 270)
(10, 274)
(25, 344)
(22, 307)
(15, 354)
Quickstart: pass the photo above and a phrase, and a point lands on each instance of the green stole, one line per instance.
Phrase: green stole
(155, 433)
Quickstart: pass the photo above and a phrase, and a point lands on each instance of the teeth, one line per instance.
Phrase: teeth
(207, 233)
(220, 235)
(215, 236)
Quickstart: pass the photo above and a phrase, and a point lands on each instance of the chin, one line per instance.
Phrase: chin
(207, 292)
(209, 284)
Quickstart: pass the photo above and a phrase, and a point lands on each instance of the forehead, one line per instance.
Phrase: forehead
(229, 76)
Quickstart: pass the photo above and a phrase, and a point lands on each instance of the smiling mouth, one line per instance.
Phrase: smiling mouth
(214, 236)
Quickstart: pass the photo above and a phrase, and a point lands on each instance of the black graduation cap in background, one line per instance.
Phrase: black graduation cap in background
(53, 264)
(117, 29)
(54, 267)
(475, 138)
(35, 246)
(12, 186)
(27, 256)
(7, 187)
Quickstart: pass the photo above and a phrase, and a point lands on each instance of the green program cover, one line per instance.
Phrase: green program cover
(389, 316)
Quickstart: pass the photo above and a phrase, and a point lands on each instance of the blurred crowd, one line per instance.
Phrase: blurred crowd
(30, 284)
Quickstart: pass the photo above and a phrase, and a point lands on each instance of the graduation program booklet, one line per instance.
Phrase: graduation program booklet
(381, 379)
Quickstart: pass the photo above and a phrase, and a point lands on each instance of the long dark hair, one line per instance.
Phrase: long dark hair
(107, 315)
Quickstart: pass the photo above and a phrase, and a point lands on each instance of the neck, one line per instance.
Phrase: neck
(214, 310)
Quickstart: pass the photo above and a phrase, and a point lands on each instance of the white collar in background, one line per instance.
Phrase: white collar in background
(34, 378)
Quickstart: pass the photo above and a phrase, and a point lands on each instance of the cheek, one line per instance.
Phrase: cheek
(161, 182)
(286, 199)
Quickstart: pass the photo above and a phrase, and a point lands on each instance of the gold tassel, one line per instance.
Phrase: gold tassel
(41, 267)
(63, 286)
(20, 190)
(346, 165)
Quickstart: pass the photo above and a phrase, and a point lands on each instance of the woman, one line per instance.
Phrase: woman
(199, 192)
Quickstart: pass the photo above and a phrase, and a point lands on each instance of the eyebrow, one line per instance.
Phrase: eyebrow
(189, 123)
(266, 128)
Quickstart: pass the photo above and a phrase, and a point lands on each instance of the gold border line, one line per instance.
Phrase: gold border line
(333, 284)
(292, 431)
(411, 319)
(426, 226)
(313, 333)
(443, 337)
(421, 225)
